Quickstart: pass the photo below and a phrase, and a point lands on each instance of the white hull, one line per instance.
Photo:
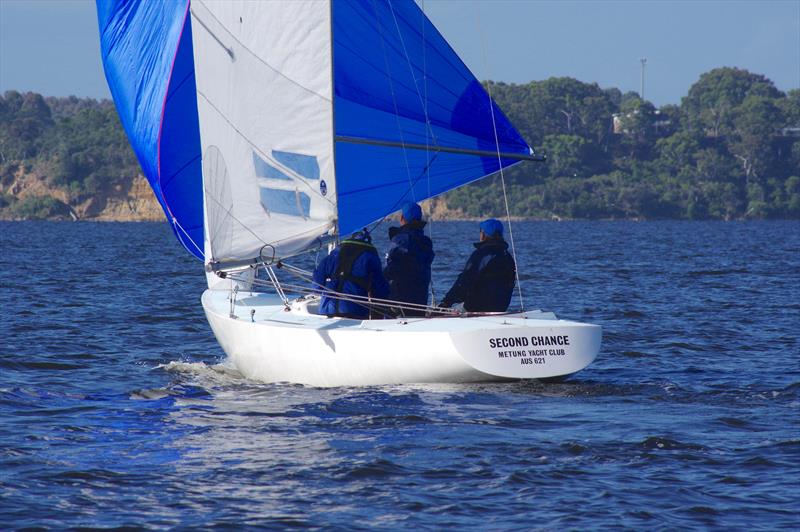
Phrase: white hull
(298, 346)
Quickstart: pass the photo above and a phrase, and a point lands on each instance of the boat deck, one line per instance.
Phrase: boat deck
(267, 308)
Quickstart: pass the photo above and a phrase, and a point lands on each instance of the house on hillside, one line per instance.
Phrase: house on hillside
(660, 123)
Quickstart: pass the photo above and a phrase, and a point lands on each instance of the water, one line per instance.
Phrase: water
(117, 407)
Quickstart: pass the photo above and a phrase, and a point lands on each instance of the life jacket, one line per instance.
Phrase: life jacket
(349, 252)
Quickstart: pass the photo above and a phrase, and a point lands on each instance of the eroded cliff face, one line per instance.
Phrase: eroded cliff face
(130, 202)
(133, 201)
(137, 203)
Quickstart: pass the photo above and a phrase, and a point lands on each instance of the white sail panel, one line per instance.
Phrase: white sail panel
(264, 97)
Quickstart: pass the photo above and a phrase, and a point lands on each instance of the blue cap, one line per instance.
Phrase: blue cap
(411, 211)
(492, 227)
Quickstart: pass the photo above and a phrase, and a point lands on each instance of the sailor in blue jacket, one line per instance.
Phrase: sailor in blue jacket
(352, 268)
(487, 282)
(408, 261)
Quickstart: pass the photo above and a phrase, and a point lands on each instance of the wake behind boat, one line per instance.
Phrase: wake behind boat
(270, 129)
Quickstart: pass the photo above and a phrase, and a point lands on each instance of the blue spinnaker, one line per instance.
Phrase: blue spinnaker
(147, 55)
(391, 65)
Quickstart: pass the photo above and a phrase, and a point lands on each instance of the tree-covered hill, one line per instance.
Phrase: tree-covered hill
(60, 153)
(730, 150)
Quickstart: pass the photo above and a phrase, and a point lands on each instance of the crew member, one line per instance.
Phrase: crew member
(487, 282)
(408, 261)
(352, 268)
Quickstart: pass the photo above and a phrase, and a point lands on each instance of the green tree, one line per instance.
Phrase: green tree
(755, 124)
(790, 107)
(565, 154)
(638, 118)
(676, 154)
(709, 106)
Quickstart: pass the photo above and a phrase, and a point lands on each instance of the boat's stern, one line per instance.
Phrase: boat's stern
(530, 348)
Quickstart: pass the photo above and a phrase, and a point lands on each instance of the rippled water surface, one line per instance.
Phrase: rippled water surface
(117, 407)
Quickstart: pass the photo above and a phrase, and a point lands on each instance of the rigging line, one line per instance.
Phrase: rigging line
(427, 147)
(178, 224)
(377, 223)
(411, 72)
(365, 301)
(353, 298)
(228, 50)
(237, 220)
(263, 155)
(244, 47)
(438, 148)
(394, 97)
(500, 163)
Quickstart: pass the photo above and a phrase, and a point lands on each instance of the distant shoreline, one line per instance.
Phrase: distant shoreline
(438, 220)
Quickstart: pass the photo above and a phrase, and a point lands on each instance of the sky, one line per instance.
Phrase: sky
(52, 46)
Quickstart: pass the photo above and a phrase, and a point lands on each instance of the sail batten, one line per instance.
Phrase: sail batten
(439, 148)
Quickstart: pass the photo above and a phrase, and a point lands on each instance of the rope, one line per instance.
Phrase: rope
(422, 102)
(441, 311)
(427, 147)
(177, 224)
(254, 55)
(366, 301)
(394, 97)
(500, 164)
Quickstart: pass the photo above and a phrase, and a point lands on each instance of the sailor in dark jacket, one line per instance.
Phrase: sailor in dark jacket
(352, 268)
(408, 261)
(487, 282)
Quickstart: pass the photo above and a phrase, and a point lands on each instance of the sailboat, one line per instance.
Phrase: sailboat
(271, 129)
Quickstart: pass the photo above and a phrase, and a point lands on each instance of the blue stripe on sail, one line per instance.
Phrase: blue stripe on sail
(264, 169)
(304, 165)
(385, 75)
(288, 202)
(151, 79)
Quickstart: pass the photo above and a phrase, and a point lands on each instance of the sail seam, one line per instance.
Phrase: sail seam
(251, 52)
(258, 150)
